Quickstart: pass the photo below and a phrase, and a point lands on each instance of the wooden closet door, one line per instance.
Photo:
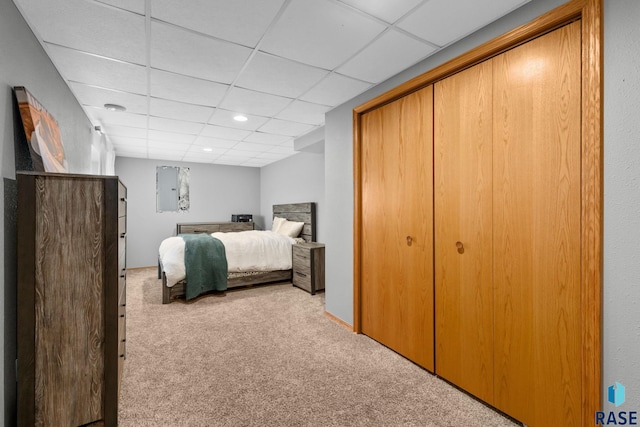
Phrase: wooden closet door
(397, 226)
(463, 208)
(536, 211)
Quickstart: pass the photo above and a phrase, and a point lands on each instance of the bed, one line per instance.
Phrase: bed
(295, 212)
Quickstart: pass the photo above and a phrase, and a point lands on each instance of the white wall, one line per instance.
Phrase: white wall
(621, 335)
(299, 178)
(216, 192)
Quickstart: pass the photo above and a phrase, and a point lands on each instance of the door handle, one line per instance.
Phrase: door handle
(409, 240)
(460, 247)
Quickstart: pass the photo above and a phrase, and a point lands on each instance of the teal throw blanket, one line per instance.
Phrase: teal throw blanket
(205, 263)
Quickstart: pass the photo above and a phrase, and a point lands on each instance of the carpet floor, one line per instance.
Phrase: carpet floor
(268, 356)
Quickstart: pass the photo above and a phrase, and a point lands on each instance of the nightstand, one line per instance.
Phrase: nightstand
(308, 266)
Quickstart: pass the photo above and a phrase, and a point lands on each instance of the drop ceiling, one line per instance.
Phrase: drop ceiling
(184, 68)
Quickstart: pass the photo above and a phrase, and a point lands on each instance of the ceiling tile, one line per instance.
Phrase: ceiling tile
(167, 155)
(97, 71)
(250, 146)
(192, 90)
(267, 138)
(179, 110)
(240, 21)
(136, 6)
(225, 118)
(285, 127)
(257, 103)
(125, 142)
(168, 145)
(178, 126)
(389, 11)
(304, 112)
(232, 158)
(98, 97)
(321, 33)
(89, 26)
(387, 56)
(279, 76)
(215, 142)
(445, 21)
(174, 137)
(104, 117)
(224, 132)
(206, 58)
(125, 131)
(282, 149)
(188, 158)
(334, 90)
(199, 150)
(192, 158)
(142, 154)
(184, 80)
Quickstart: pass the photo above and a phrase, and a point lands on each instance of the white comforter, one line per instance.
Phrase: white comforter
(246, 251)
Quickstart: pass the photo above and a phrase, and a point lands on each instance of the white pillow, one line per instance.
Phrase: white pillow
(290, 228)
(277, 222)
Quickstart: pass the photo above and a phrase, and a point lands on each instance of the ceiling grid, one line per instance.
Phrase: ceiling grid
(183, 69)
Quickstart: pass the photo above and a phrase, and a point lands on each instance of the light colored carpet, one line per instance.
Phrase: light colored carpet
(268, 356)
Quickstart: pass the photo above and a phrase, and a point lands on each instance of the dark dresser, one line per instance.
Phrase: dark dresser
(71, 314)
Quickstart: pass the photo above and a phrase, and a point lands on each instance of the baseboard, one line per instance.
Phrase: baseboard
(339, 321)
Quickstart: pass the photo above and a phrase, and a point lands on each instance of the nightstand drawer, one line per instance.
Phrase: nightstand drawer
(302, 280)
(301, 257)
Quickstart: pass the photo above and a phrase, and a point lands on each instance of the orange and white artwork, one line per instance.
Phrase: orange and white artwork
(43, 134)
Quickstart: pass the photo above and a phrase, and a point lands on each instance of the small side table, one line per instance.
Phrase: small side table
(308, 266)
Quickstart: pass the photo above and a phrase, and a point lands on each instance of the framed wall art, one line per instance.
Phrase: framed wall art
(42, 132)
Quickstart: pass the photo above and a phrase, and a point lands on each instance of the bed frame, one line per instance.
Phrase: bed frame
(300, 212)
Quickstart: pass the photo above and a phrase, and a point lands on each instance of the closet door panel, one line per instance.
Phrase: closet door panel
(397, 226)
(463, 209)
(536, 215)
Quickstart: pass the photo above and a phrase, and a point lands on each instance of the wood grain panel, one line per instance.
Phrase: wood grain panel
(537, 95)
(299, 212)
(68, 286)
(463, 213)
(397, 202)
(592, 206)
(69, 360)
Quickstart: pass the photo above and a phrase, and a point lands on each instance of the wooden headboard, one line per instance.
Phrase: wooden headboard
(300, 212)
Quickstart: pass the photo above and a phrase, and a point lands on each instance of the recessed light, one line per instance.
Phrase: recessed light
(240, 118)
(114, 107)
(207, 149)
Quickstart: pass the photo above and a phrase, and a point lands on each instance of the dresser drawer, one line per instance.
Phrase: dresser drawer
(122, 341)
(236, 226)
(122, 259)
(122, 200)
(197, 228)
(122, 328)
(122, 283)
